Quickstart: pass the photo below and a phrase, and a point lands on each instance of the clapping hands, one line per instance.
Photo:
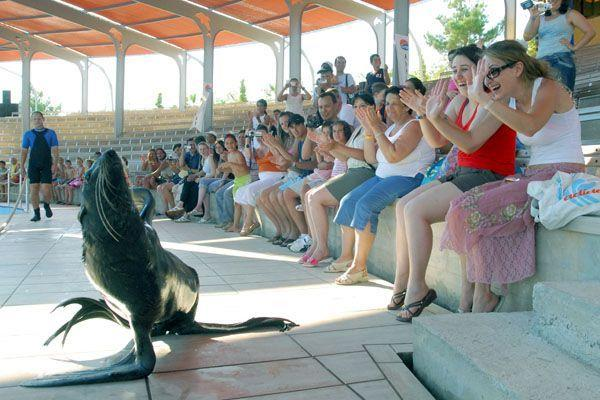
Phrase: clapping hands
(476, 89)
(436, 103)
(414, 100)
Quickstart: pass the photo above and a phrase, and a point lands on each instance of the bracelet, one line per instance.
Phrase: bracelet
(369, 137)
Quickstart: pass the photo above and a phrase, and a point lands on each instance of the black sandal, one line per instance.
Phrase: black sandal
(397, 300)
(277, 240)
(421, 304)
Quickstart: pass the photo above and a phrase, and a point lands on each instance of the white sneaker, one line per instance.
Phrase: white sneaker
(184, 218)
(300, 244)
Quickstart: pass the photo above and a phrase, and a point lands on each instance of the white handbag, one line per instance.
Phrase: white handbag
(558, 201)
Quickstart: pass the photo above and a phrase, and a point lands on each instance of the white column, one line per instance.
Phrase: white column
(510, 23)
(120, 91)
(84, 68)
(279, 65)
(182, 64)
(295, 40)
(209, 56)
(401, 10)
(25, 88)
(379, 28)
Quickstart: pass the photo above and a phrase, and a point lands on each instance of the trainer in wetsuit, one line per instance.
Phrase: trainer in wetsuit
(42, 145)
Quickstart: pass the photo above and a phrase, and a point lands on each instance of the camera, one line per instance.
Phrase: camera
(253, 134)
(314, 121)
(542, 7)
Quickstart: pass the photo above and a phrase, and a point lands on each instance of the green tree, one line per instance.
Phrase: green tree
(38, 102)
(191, 99)
(158, 102)
(466, 25)
(243, 97)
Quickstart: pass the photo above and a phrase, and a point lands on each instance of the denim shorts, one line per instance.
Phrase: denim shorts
(467, 178)
(563, 67)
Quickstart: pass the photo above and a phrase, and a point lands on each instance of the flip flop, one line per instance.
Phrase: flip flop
(313, 262)
(397, 300)
(421, 305)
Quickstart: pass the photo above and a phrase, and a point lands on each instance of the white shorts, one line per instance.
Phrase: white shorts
(247, 195)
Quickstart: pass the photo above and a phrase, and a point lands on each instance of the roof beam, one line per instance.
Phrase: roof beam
(215, 22)
(122, 37)
(35, 45)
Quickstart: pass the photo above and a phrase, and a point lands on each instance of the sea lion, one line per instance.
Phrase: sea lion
(144, 286)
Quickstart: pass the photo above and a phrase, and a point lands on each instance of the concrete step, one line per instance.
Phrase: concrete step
(567, 315)
(494, 357)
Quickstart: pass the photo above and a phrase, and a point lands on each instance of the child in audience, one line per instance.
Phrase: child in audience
(236, 165)
(492, 224)
(3, 181)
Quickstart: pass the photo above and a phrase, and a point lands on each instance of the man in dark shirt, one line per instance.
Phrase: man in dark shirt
(189, 161)
(378, 74)
(41, 144)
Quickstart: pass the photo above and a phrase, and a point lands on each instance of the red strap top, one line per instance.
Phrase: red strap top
(496, 155)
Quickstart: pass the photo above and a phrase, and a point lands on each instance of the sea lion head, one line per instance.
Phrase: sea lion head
(107, 206)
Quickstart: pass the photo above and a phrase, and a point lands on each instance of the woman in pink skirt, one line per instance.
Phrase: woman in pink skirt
(492, 224)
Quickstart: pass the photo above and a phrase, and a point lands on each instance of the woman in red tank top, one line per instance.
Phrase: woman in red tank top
(486, 154)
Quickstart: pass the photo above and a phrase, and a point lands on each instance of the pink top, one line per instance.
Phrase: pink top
(339, 167)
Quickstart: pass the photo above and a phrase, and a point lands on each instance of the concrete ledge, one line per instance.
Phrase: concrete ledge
(568, 254)
(493, 356)
(567, 315)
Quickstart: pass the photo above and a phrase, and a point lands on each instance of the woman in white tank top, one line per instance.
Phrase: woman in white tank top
(402, 156)
(492, 224)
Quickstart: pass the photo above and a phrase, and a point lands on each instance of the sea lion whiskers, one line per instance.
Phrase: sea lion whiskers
(101, 213)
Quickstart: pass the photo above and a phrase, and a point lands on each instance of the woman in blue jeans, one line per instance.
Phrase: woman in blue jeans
(402, 156)
(554, 30)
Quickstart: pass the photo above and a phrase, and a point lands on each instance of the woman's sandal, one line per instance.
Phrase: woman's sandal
(397, 300)
(313, 262)
(336, 267)
(304, 258)
(352, 278)
(277, 241)
(251, 228)
(421, 305)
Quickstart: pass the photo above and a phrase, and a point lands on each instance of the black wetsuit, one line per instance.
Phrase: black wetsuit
(40, 159)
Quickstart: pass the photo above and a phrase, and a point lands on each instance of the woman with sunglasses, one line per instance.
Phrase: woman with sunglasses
(486, 154)
(492, 224)
(554, 29)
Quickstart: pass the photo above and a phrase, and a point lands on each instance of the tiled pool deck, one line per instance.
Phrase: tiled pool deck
(345, 347)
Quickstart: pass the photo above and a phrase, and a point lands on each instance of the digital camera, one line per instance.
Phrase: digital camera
(254, 134)
(542, 7)
(314, 121)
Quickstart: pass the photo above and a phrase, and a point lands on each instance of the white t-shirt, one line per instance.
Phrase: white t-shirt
(294, 103)
(344, 80)
(347, 114)
(257, 121)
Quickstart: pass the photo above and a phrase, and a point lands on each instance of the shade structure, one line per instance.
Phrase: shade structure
(180, 31)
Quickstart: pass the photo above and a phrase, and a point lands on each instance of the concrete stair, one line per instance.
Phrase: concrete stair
(567, 315)
(549, 353)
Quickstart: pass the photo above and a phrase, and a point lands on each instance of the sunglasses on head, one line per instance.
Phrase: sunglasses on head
(494, 72)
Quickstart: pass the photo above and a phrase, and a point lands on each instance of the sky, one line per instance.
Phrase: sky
(146, 76)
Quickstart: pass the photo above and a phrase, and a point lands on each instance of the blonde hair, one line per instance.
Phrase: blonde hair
(512, 51)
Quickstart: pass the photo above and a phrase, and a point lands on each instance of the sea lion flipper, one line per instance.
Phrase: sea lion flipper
(138, 364)
(90, 308)
(253, 323)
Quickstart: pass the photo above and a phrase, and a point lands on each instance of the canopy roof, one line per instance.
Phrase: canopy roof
(182, 32)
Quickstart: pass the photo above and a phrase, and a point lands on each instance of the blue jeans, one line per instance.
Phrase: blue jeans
(364, 203)
(564, 67)
(225, 202)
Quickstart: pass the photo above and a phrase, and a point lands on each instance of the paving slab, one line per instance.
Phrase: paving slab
(344, 337)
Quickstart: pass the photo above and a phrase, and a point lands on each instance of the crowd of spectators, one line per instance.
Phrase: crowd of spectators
(372, 145)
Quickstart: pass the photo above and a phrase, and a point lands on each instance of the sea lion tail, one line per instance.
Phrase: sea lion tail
(90, 308)
(253, 323)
